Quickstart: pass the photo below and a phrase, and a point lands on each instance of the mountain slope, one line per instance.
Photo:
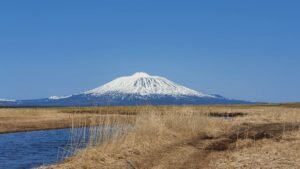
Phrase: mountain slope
(143, 84)
(137, 89)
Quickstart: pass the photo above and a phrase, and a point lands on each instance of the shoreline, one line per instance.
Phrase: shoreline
(33, 130)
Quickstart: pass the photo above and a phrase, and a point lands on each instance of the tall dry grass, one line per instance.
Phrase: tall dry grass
(154, 129)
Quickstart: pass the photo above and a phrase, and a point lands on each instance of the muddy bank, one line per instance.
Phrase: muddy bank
(252, 131)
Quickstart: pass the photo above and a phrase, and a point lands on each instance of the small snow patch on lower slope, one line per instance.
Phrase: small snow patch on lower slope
(7, 100)
(59, 97)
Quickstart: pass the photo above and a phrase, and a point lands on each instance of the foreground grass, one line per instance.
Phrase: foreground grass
(187, 137)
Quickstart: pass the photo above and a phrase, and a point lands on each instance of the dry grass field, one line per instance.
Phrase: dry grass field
(29, 119)
(171, 137)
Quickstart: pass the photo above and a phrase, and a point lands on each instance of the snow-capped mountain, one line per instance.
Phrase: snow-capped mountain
(143, 84)
(137, 89)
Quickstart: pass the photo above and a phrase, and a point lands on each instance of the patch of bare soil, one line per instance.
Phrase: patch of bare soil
(254, 132)
(226, 114)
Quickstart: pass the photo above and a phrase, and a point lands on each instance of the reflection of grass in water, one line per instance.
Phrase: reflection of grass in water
(76, 141)
(84, 135)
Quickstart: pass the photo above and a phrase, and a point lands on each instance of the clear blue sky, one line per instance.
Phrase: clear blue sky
(240, 49)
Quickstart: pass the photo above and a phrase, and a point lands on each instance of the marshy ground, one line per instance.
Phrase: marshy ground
(170, 137)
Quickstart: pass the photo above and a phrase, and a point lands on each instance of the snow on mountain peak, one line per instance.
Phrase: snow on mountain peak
(144, 84)
(141, 74)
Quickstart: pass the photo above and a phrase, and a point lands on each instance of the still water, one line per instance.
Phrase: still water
(32, 149)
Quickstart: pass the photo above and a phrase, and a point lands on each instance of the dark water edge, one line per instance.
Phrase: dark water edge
(24, 150)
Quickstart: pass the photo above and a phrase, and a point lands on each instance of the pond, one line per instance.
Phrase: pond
(32, 149)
